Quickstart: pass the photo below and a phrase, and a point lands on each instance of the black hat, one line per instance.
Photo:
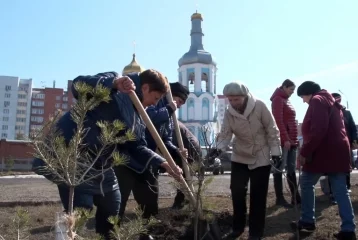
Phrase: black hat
(308, 88)
(337, 96)
(179, 90)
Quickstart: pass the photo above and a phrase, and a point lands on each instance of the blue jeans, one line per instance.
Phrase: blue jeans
(107, 205)
(288, 161)
(340, 192)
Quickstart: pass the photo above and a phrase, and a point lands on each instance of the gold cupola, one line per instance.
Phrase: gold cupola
(133, 67)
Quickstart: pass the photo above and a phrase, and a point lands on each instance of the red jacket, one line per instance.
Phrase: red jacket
(285, 117)
(324, 136)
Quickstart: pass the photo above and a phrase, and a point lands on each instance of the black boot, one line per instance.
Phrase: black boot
(179, 200)
(232, 235)
(292, 184)
(310, 227)
(345, 236)
(145, 237)
(348, 179)
(280, 200)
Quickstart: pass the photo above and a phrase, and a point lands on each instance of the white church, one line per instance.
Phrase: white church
(197, 70)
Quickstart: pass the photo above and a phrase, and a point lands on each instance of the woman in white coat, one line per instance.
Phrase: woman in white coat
(257, 140)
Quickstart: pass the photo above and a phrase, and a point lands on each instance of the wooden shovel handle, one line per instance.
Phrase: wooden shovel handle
(138, 105)
(188, 176)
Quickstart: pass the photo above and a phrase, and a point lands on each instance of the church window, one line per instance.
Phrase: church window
(191, 109)
(205, 109)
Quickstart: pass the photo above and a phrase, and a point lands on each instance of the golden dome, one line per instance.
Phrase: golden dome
(197, 16)
(133, 67)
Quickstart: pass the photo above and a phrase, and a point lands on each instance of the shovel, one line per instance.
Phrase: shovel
(138, 105)
(188, 176)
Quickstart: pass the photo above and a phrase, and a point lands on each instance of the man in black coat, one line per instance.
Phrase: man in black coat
(351, 131)
(192, 144)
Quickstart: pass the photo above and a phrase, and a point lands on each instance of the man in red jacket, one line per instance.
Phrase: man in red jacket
(285, 117)
(325, 150)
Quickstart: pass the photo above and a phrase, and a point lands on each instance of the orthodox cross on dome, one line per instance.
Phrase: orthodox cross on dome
(134, 44)
(196, 5)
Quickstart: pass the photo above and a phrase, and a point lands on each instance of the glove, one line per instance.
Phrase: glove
(276, 161)
(172, 107)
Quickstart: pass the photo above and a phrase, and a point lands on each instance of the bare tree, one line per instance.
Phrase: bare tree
(204, 223)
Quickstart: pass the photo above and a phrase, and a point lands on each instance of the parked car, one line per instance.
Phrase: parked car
(225, 159)
(216, 163)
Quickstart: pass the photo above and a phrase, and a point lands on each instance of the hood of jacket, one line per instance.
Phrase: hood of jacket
(251, 101)
(279, 93)
(326, 96)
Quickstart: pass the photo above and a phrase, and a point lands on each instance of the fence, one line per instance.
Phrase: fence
(16, 164)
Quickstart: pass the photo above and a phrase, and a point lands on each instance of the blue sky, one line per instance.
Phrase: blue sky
(258, 42)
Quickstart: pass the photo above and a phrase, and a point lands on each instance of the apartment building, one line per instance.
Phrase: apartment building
(46, 101)
(223, 103)
(15, 94)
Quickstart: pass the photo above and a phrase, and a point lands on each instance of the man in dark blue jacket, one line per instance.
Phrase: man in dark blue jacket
(144, 185)
(104, 192)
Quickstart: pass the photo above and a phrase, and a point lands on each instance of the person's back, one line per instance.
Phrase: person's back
(324, 136)
(160, 116)
(102, 191)
(325, 151)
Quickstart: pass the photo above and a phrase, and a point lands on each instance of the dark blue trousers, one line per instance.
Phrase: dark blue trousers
(107, 205)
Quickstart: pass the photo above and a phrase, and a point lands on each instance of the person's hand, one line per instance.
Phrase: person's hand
(277, 161)
(173, 106)
(287, 145)
(184, 153)
(124, 84)
(174, 172)
(302, 160)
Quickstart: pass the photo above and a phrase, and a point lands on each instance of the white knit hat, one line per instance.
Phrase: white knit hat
(235, 89)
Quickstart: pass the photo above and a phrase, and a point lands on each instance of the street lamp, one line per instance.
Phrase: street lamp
(345, 97)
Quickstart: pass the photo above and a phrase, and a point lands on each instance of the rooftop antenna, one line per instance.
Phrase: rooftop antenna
(54, 84)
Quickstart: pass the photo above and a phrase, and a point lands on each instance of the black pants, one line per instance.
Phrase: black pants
(144, 187)
(259, 180)
(107, 205)
(180, 197)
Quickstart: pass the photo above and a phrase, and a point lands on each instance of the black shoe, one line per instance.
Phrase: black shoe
(178, 205)
(309, 227)
(298, 203)
(333, 200)
(298, 200)
(233, 235)
(345, 236)
(145, 237)
(282, 202)
(254, 238)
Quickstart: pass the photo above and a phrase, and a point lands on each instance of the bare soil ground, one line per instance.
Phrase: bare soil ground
(174, 223)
